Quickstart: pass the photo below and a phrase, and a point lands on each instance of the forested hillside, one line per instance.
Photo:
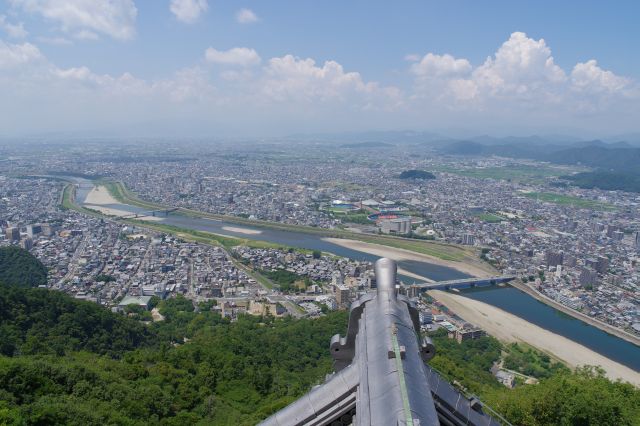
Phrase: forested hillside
(70, 362)
(19, 267)
(40, 321)
(65, 362)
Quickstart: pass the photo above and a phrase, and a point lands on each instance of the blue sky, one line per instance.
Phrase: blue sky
(250, 68)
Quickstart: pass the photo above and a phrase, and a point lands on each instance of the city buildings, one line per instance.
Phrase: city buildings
(584, 254)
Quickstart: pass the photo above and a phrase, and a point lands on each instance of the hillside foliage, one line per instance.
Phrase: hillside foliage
(70, 362)
(19, 267)
(417, 174)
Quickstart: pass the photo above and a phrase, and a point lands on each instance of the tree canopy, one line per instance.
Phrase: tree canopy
(417, 174)
(70, 362)
(19, 267)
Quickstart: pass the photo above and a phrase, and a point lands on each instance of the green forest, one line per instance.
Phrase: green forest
(21, 268)
(65, 361)
(417, 174)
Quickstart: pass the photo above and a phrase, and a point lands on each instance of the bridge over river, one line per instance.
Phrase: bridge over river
(464, 283)
(160, 213)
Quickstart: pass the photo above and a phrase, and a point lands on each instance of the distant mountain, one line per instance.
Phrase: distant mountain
(617, 165)
(630, 138)
(505, 150)
(465, 148)
(597, 154)
(602, 144)
(629, 182)
(529, 140)
(599, 157)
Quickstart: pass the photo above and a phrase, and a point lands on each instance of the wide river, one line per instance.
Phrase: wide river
(507, 298)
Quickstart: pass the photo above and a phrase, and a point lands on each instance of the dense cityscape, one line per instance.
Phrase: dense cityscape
(580, 248)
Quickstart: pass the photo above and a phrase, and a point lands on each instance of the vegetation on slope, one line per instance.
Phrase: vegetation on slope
(585, 397)
(467, 363)
(624, 181)
(19, 267)
(76, 363)
(417, 174)
(39, 321)
(73, 362)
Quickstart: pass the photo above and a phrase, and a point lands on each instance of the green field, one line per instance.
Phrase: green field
(568, 200)
(516, 173)
(490, 218)
(350, 216)
(67, 198)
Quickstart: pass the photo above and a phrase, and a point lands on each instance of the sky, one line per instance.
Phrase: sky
(213, 68)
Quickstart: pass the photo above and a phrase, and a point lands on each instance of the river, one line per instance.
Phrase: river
(506, 298)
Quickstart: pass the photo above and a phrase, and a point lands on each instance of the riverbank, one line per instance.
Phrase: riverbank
(473, 268)
(575, 314)
(510, 328)
(100, 199)
(433, 249)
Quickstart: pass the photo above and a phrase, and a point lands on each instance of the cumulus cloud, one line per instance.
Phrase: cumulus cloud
(521, 66)
(115, 18)
(12, 30)
(246, 16)
(521, 74)
(188, 11)
(439, 66)
(589, 77)
(289, 78)
(519, 84)
(241, 56)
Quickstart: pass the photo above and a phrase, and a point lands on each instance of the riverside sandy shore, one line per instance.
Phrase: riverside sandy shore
(246, 231)
(398, 254)
(510, 328)
(99, 199)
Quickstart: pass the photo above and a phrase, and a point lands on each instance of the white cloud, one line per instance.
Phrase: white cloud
(589, 77)
(13, 55)
(246, 16)
(521, 66)
(439, 66)
(521, 74)
(241, 56)
(519, 85)
(12, 30)
(188, 11)
(289, 78)
(115, 18)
